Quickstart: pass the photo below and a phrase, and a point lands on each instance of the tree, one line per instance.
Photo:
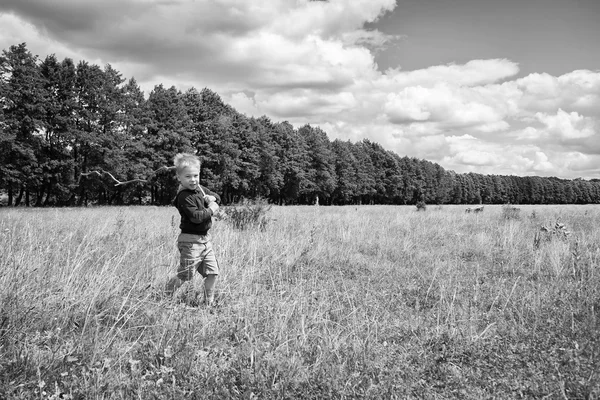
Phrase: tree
(365, 174)
(296, 163)
(93, 133)
(214, 138)
(383, 171)
(345, 170)
(60, 122)
(169, 132)
(22, 99)
(412, 182)
(320, 175)
(134, 122)
(270, 154)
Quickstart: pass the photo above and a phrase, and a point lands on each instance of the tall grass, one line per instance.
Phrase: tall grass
(324, 302)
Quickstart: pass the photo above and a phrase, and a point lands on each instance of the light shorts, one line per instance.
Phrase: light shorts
(196, 252)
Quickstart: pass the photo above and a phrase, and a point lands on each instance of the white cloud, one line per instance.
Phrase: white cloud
(303, 102)
(473, 73)
(542, 163)
(478, 158)
(583, 163)
(327, 19)
(568, 125)
(577, 91)
(243, 103)
(495, 126)
(408, 105)
(449, 106)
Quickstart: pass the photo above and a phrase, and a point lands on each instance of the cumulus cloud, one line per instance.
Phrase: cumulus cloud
(302, 102)
(314, 62)
(583, 163)
(567, 125)
(472, 73)
(447, 105)
(577, 91)
(278, 43)
(478, 158)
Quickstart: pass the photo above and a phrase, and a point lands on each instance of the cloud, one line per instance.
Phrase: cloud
(478, 158)
(499, 128)
(329, 19)
(302, 102)
(373, 40)
(584, 164)
(469, 154)
(278, 43)
(567, 125)
(314, 62)
(243, 103)
(446, 105)
(472, 73)
(577, 91)
(542, 163)
(408, 105)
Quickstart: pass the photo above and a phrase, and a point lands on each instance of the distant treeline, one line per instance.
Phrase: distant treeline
(59, 120)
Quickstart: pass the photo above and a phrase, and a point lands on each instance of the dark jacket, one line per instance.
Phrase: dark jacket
(195, 214)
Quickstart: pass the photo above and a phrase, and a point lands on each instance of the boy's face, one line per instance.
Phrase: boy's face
(189, 177)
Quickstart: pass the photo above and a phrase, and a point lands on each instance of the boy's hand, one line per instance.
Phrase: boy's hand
(210, 198)
(213, 206)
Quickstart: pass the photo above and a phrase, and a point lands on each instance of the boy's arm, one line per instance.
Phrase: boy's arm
(211, 193)
(196, 215)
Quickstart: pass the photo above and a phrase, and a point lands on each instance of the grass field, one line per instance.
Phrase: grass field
(326, 302)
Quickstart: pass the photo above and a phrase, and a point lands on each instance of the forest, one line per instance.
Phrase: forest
(61, 121)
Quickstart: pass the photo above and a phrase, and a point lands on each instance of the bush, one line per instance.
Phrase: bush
(247, 214)
(550, 232)
(510, 212)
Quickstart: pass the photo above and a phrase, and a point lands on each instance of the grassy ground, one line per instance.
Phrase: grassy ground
(326, 302)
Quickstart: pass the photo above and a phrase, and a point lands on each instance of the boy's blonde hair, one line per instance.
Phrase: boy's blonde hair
(184, 160)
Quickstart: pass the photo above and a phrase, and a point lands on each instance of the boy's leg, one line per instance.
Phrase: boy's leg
(209, 289)
(189, 257)
(209, 269)
(172, 285)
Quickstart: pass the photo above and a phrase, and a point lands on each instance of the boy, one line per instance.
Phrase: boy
(196, 205)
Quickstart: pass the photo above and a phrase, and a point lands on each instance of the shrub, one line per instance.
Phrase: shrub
(510, 212)
(548, 233)
(247, 214)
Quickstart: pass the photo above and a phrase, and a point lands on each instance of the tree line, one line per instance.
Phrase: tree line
(59, 121)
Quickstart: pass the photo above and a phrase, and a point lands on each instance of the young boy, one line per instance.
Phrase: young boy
(196, 205)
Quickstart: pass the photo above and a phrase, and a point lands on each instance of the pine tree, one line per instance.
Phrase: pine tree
(320, 175)
(346, 173)
(59, 121)
(270, 153)
(134, 122)
(296, 164)
(22, 99)
(169, 132)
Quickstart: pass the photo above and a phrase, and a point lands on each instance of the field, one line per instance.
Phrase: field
(374, 302)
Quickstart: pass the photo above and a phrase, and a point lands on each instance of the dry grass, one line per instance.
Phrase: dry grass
(325, 302)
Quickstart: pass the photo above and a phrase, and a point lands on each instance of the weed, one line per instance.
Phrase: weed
(548, 233)
(510, 212)
(247, 214)
(329, 302)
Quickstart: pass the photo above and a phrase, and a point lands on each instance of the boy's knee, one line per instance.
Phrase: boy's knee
(172, 285)
(185, 275)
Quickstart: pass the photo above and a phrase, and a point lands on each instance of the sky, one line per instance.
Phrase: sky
(506, 87)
